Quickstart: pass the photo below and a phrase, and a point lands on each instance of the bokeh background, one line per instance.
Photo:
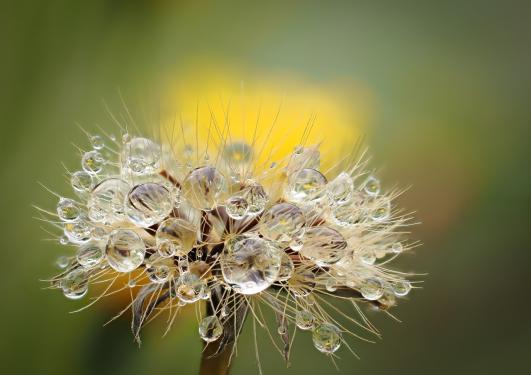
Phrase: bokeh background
(445, 87)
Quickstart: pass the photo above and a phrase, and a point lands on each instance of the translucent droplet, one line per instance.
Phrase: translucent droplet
(303, 157)
(77, 232)
(371, 289)
(63, 240)
(125, 250)
(340, 189)
(82, 181)
(250, 263)
(283, 222)
(368, 257)
(75, 284)
(401, 288)
(91, 254)
(302, 283)
(190, 287)
(204, 187)
(210, 328)
(97, 142)
(371, 186)
(304, 319)
(131, 283)
(237, 153)
(62, 262)
(323, 245)
(99, 233)
(140, 156)
(256, 197)
(106, 202)
(175, 236)
(148, 204)
(286, 267)
(236, 207)
(330, 285)
(68, 210)
(306, 185)
(349, 213)
(224, 311)
(381, 212)
(326, 338)
(160, 269)
(397, 248)
(92, 162)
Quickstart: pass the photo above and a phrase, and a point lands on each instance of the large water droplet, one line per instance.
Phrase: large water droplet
(250, 263)
(82, 181)
(340, 189)
(190, 287)
(306, 185)
(78, 232)
(283, 222)
(125, 250)
(323, 245)
(68, 210)
(92, 162)
(91, 254)
(236, 207)
(401, 288)
(371, 186)
(237, 153)
(303, 157)
(140, 156)
(210, 328)
(326, 338)
(160, 269)
(304, 319)
(204, 187)
(371, 289)
(75, 284)
(148, 204)
(256, 197)
(106, 202)
(175, 236)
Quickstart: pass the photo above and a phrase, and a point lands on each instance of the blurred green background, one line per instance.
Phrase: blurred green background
(450, 87)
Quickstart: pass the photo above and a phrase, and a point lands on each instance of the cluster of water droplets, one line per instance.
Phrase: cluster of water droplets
(139, 209)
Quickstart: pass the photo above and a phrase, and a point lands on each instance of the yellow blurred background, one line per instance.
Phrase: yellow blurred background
(440, 90)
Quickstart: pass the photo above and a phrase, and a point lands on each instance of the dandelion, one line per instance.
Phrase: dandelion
(214, 222)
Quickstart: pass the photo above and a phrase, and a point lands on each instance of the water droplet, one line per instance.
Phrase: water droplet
(62, 262)
(382, 211)
(224, 311)
(148, 204)
(372, 186)
(323, 245)
(306, 185)
(237, 153)
(250, 263)
(330, 285)
(371, 289)
(92, 162)
(97, 142)
(190, 287)
(236, 207)
(82, 181)
(326, 338)
(210, 328)
(204, 187)
(63, 240)
(140, 156)
(401, 288)
(131, 283)
(99, 233)
(304, 319)
(106, 202)
(90, 254)
(303, 157)
(78, 231)
(256, 197)
(125, 250)
(68, 210)
(75, 284)
(160, 269)
(340, 189)
(286, 267)
(397, 248)
(283, 222)
(349, 213)
(175, 236)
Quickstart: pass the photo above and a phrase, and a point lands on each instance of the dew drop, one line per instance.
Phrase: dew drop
(326, 338)
(92, 162)
(397, 248)
(106, 202)
(283, 222)
(323, 245)
(68, 210)
(371, 186)
(160, 269)
(304, 320)
(286, 267)
(381, 212)
(236, 207)
(204, 187)
(148, 204)
(330, 285)
(371, 289)
(82, 181)
(340, 189)
(306, 185)
(75, 284)
(63, 240)
(401, 288)
(190, 287)
(77, 232)
(140, 156)
(256, 197)
(125, 250)
(210, 328)
(237, 153)
(97, 142)
(175, 236)
(91, 254)
(62, 262)
(250, 263)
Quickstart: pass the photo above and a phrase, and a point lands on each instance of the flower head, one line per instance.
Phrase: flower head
(212, 220)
